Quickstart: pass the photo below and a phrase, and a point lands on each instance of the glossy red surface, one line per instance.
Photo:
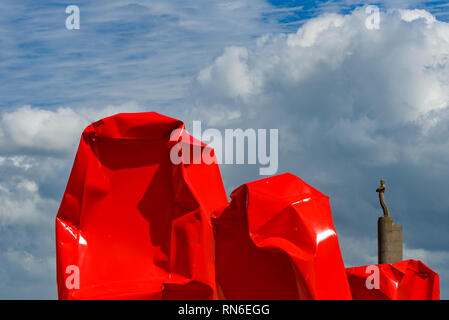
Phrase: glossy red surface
(276, 240)
(136, 225)
(139, 226)
(405, 280)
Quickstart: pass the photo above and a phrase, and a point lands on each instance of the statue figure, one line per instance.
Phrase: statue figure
(381, 191)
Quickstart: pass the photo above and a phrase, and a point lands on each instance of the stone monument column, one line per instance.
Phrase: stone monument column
(389, 235)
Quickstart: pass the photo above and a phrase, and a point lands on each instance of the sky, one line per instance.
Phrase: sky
(352, 105)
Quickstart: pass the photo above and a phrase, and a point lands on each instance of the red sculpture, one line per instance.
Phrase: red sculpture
(276, 240)
(145, 216)
(134, 224)
(405, 280)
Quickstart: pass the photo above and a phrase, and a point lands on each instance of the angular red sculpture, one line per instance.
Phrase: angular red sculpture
(405, 280)
(145, 216)
(134, 224)
(276, 240)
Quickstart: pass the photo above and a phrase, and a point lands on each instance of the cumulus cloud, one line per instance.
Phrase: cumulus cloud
(42, 130)
(30, 129)
(352, 105)
(37, 147)
(411, 15)
(335, 52)
(230, 73)
(379, 93)
(22, 203)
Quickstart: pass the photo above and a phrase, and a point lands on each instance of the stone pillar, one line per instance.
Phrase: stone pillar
(389, 239)
(389, 235)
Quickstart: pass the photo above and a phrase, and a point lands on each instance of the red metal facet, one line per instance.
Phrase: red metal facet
(276, 240)
(405, 280)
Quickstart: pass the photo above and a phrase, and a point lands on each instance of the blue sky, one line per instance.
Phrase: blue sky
(352, 106)
(120, 46)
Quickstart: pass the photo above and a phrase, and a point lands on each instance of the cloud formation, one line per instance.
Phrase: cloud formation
(352, 105)
(30, 129)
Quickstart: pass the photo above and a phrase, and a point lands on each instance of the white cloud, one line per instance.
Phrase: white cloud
(28, 263)
(230, 73)
(314, 29)
(36, 129)
(125, 50)
(22, 204)
(30, 129)
(39, 145)
(357, 83)
(352, 106)
(346, 99)
(18, 161)
(412, 15)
